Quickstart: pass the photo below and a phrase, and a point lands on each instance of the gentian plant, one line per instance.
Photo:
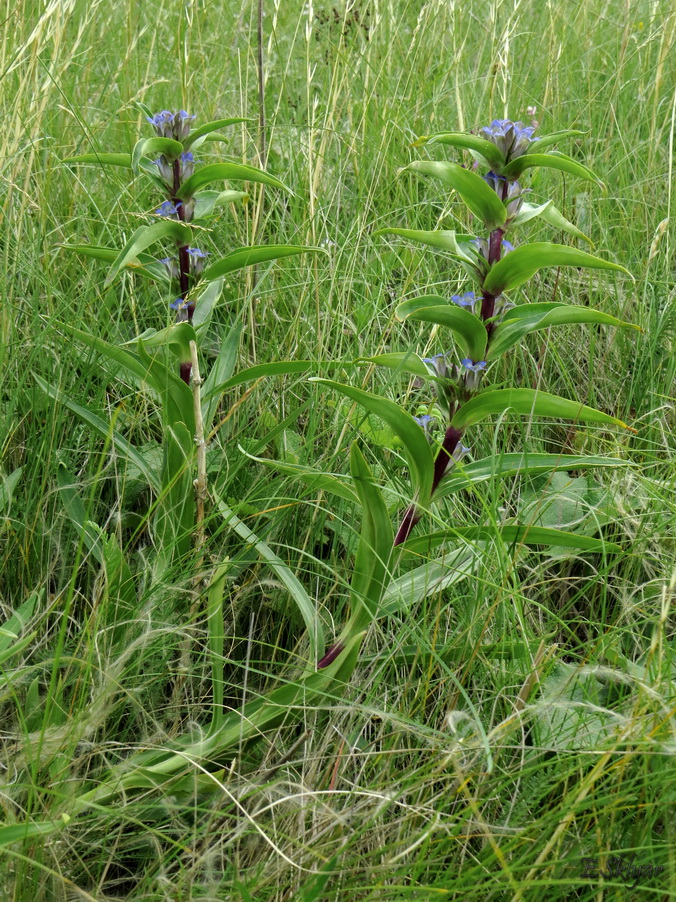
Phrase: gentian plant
(485, 322)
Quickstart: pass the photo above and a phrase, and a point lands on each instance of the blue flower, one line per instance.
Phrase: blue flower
(507, 246)
(196, 252)
(468, 299)
(469, 364)
(187, 157)
(424, 420)
(168, 208)
(511, 138)
(436, 365)
(171, 125)
(178, 304)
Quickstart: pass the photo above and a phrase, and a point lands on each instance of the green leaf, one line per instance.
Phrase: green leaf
(555, 137)
(102, 159)
(475, 192)
(467, 328)
(219, 374)
(143, 237)
(176, 337)
(197, 135)
(432, 576)
(523, 320)
(206, 201)
(521, 264)
(175, 513)
(104, 429)
(444, 239)
(485, 149)
(304, 603)
(260, 371)
(402, 362)
(16, 624)
(169, 148)
(249, 256)
(215, 172)
(204, 304)
(371, 565)
(512, 534)
(315, 480)
(403, 424)
(527, 401)
(465, 475)
(144, 265)
(551, 216)
(551, 160)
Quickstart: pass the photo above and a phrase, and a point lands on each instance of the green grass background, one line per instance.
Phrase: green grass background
(496, 732)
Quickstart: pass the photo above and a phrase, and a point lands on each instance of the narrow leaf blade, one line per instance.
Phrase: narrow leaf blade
(144, 237)
(216, 172)
(475, 192)
(249, 256)
(468, 329)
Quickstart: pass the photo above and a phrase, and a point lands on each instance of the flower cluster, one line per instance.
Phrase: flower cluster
(454, 383)
(171, 125)
(511, 138)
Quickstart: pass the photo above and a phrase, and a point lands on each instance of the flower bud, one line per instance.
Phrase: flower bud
(511, 138)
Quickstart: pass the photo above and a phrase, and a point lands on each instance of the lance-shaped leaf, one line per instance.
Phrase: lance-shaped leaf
(475, 192)
(401, 362)
(260, 371)
(464, 475)
(142, 238)
(529, 318)
(315, 480)
(555, 137)
(404, 425)
(102, 159)
(249, 256)
(468, 329)
(207, 201)
(512, 534)
(551, 215)
(521, 264)
(369, 574)
(445, 239)
(176, 337)
(551, 160)
(306, 606)
(143, 265)
(485, 149)
(217, 172)
(169, 148)
(528, 402)
(198, 135)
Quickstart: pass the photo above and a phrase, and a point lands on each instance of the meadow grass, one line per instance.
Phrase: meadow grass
(499, 730)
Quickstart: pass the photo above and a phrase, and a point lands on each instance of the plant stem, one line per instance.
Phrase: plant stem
(201, 481)
(183, 268)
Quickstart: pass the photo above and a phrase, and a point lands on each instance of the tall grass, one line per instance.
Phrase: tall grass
(505, 727)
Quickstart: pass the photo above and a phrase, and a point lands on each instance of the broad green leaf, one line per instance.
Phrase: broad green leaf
(403, 362)
(15, 625)
(404, 425)
(553, 217)
(260, 371)
(176, 337)
(74, 507)
(521, 264)
(144, 265)
(204, 303)
(175, 513)
(433, 576)
(19, 833)
(371, 565)
(249, 256)
(216, 172)
(177, 399)
(527, 401)
(206, 201)
(197, 135)
(528, 212)
(308, 609)
(7, 486)
(444, 239)
(512, 534)
(468, 329)
(220, 372)
(143, 237)
(555, 137)
(551, 160)
(121, 445)
(102, 159)
(146, 147)
(486, 149)
(475, 192)
(523, 320)
(315, 480)
(465, 475)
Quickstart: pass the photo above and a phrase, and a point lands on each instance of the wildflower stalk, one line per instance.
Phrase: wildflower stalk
(201, 480)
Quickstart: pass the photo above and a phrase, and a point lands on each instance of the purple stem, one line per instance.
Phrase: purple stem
(183, 268)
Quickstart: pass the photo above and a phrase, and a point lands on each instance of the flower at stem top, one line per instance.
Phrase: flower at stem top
(171, 125)
(467, 300)
(511, 138)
